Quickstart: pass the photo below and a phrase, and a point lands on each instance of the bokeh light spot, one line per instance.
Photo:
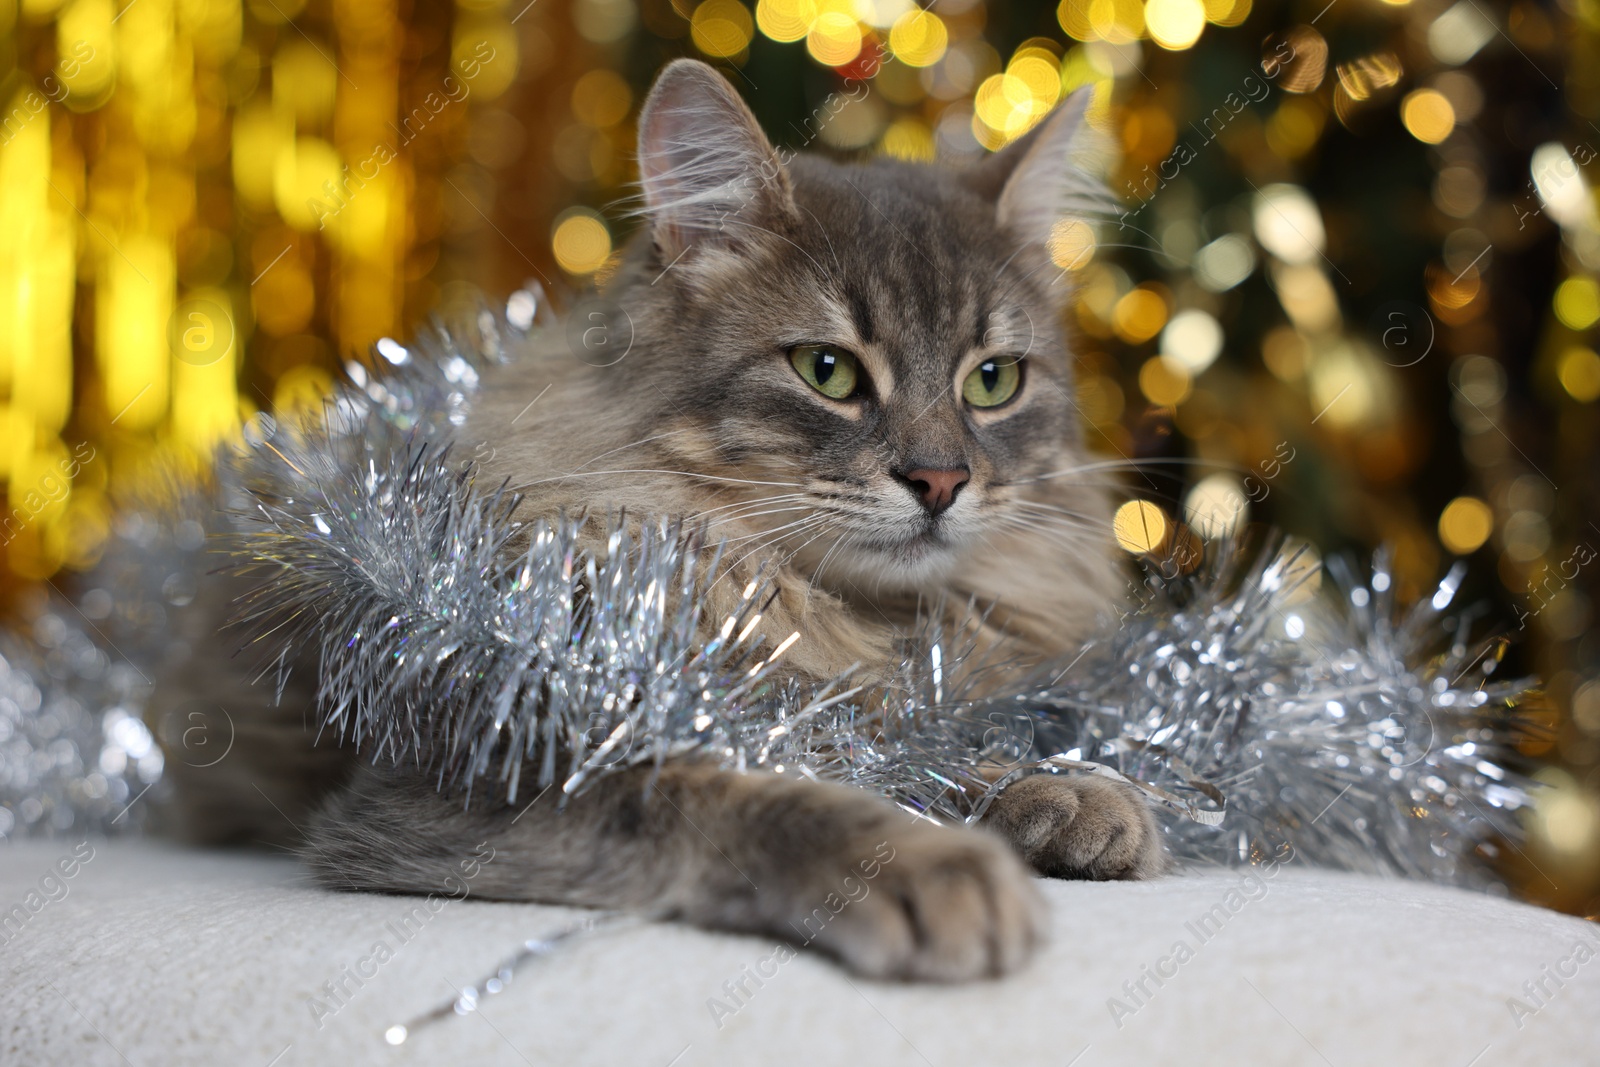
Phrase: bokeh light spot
(786, 20)
(1175, 24)
(918, 38)
(1139, 315)
(1288, 224)
(1140, 527)
(1577, 303)
(1216, 506)
(721, 28)
(1071, 244)
(1465, 524)
(835, 39)
(581, 242)
(1193, 340)
(1164, 382)
(1428, 115)
(1224, 263)
(908, 139)
(1579, 371)
(601, 99)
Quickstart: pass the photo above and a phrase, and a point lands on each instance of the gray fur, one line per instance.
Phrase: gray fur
(921, 272)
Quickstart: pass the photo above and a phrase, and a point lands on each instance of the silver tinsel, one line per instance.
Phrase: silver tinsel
(78, 750)
(1254, 707)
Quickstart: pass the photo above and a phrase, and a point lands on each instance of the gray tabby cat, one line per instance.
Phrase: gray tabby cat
(857, 374)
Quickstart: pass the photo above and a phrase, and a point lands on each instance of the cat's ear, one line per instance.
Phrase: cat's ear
(1042, 177)
(710, 176)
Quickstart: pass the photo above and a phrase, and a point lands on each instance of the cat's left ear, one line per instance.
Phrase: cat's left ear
(1040, 178)
(711, 179)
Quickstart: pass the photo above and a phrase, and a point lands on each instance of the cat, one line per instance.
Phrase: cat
(856, 373)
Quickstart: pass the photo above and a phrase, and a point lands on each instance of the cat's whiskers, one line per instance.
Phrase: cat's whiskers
(798, 526)
(826, 528)
(839, 542)
(735, 506)
(1050, 526)
(1082, 519)
(777, 533)
(1134, 466)
(652, 470)
(746, 516)
(635, 444)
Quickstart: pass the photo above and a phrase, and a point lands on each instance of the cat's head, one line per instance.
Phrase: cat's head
(870, 356)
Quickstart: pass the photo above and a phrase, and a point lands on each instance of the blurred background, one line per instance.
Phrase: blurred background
(1354, 273)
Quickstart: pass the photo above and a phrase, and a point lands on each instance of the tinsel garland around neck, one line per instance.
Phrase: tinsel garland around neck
(1257, 709)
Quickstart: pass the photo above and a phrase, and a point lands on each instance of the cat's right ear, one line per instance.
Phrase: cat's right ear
(1043, 176)
(710, 177)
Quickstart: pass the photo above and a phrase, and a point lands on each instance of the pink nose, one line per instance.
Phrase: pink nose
(937, 488)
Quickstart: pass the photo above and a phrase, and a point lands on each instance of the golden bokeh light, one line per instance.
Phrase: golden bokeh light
(601, 99)
(1566, 816)
(1139, 315)
(1175, 24)
(1117, 22)
(1141, 527)
(581, 242)
(1362, 78)
(908, 139)
(786, 21)
(300, 390)
(284, 298)
(1288, 223)
(1193, 340)
(1100, 399)
(1348, 387)
(1307, 297)
(835, 39)
(1227, 12)
(1577, 302)
(1579, 372)
(1008, 105)
(302, 172)
(1040, 77)
(1216, 506)
(304, 82)
(918, 38)
(1465, 524)
(1286, 353)
(1302, 70)
(721, 28)
(1428, 115)
(484, 50)
(1296, 126)
(1164, 383)
(1071, 244)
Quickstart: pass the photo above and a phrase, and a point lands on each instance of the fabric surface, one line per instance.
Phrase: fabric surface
(149, 954)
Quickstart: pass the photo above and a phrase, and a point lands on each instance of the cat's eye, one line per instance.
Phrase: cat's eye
(833, 372)
(992, 383)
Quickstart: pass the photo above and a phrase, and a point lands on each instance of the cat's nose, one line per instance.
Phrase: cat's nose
(936, 488)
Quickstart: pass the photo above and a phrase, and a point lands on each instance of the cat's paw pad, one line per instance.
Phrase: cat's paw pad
(1079, 826)
(945, 905)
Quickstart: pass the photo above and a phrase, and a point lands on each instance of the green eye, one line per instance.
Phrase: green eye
(992, 383)
(833, 372)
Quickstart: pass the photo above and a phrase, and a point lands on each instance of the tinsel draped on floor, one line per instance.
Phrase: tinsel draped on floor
(1256, 709)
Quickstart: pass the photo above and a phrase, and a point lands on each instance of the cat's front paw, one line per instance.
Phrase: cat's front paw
(1079, 826)
(941, 904)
